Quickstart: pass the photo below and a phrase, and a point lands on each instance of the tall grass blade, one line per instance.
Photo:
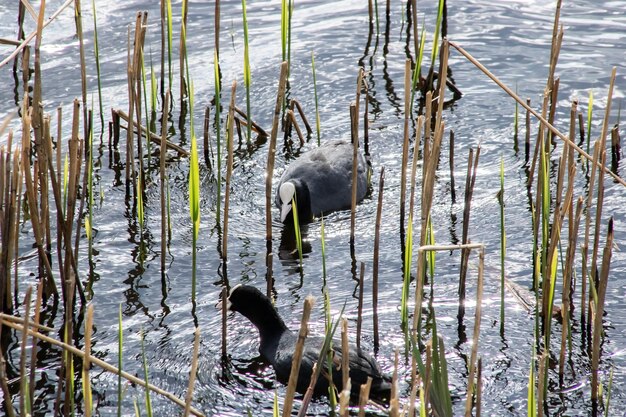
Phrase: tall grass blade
(120, 357)
(216, 73)
(145, 373)
(247, 76)
(408, 256)
(296, 227)
(589, 115)
(169, 44)
(97, 56)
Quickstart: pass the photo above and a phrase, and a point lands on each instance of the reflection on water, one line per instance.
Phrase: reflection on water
(511, 38)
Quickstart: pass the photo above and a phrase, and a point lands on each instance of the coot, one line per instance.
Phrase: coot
(278, 346)
(321, 179)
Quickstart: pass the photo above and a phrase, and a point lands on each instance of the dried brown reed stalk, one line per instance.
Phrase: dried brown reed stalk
(599, 311)
(354, 118)
(418, 139)
(364, 395)
(8, 405)
(298, 107)
(255, 126)
(162, 156)
(470, 181)
(379, 212)
(152, 136)
(229, 168)
(23, 379)
(394, 401)
(541, 377)
(451, 157)
(10, 177)
(33, 348)
(271, 157)
(574, 222)
(545, 123)
(32, 35)
(616, 147)
(405, 141)
(192, 372)
(291, 121)
(345, 355)
(98, 362)
(297, 356)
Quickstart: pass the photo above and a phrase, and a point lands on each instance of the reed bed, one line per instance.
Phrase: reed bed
(55, 200)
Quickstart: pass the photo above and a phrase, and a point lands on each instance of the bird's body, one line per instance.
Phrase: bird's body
(278, 345)
(322, 181)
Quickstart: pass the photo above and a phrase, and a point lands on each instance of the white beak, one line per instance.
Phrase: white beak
(284, 211)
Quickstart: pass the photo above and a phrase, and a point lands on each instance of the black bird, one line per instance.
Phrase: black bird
(321, 180)
(278, 345)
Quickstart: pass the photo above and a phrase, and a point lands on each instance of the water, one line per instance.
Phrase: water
(512, 38)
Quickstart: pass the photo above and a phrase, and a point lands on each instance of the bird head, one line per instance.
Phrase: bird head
(286, 192)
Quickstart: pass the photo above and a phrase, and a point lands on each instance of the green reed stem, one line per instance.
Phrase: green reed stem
(216, 72)
(435, 49)
(317, 110)
(408, 256)
(247, 76)
(418, 66)
(194, 197)
(145, 373)
(97, 56)
(296, 227)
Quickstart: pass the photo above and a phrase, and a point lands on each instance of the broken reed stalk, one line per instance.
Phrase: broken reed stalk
(153, 137)
(345, 355)
(359, 319)
(379, 212)
(229, 168)
(271, 157)
(192, 372)
(394, 404)
(23, 380)
(33, 349)
(255, 126)
(98, 362)
(163, 155)
(545, 123)
(297, 356)
(354, 117)
(599, 310)
(291, 117)
(475, 337)
(405, 141)
(470, 181)
(364, 395)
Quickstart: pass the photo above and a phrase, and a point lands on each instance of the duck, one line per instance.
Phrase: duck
(321, 181)
(278, 343)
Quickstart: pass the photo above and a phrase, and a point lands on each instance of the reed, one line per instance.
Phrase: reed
(192, 372)
(87, 395)
(296, 227)
(297, 357)
(162, 156)
(229, 167)
(589, 117)
(194, 196)
(184, 64)
(25, 401)
(247, 75)
(97, 58)
(599, 310)
(474, 353)
(271, 156)
(168, 19)
(359, 319)
(224, 312)
(354, 117)
(216, 73)
(145, 373)
(376, 255)
(405, 142)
